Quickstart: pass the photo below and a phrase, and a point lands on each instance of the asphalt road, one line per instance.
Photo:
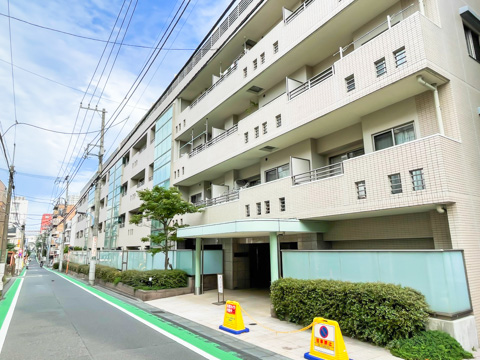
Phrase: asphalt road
(55, 319)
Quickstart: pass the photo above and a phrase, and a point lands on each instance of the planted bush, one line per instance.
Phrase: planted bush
(432, 345)
(373, 312)
(161, 279)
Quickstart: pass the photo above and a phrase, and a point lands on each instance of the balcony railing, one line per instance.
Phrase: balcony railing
(318, 174)
(231, 196)
(317, 79)
(300, 9)
(230, 70)
(213, 141)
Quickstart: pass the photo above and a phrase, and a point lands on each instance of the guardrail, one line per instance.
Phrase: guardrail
(317, 79)
(231, 196)
(300, 9)
(318, 174)
(213, 141)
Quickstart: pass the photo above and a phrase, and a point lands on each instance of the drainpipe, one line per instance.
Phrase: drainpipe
(421, 6)
(436, 99)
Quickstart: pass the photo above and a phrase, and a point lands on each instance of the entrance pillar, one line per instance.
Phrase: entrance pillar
(273, 256)
(198, 264)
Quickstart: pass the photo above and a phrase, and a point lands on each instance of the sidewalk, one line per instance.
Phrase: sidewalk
(201, 309)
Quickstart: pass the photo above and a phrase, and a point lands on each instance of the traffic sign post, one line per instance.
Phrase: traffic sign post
(220, 290)
(327, 341)
(233, 320)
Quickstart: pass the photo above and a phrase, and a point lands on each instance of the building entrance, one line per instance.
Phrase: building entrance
(259, 259)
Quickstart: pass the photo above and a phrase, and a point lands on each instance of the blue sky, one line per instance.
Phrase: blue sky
(52, 71)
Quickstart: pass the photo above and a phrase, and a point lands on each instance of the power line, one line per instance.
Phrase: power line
(59, 83)
(59, 132)
(91, 38)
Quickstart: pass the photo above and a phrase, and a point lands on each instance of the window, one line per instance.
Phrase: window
(473, 43)
(184, 122)
(361, 189)
(257, 132)
(255, 64)
(278, 120)
(267, 207)
(394, 136)
(282, 204)
(350, 82)
(344, 156)
(245, 137)
(262, 58)
(400, 56)
(245, 72)
(275, 47)
(259, 208)
(195, 199)
(264, 128)
(179, 127)
(381, 67)
(247, 210)
(277, 173)
(417, 179)
(183, 170)
(395, 183)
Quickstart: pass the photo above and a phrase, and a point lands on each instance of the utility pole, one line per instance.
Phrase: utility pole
(64, 220)
(91, 273)
(3, 254)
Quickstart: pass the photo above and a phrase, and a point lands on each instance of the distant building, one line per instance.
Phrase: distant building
(46, 222)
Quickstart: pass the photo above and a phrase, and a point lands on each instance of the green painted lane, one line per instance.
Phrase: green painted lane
(6, 302)
(185, 335)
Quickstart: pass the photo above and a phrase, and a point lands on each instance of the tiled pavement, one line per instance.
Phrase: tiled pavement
(256, 303)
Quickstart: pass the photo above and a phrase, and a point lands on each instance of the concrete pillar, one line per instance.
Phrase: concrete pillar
(273, 256)
(198, 264)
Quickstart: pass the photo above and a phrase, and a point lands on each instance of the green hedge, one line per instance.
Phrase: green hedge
(432, 345)
(373, 312)
(161, 279)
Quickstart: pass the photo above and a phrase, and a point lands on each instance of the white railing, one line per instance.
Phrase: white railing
(213, 141)
(317, 79)
(231, 196)
(318, 174)
(226, 74)
(300, 9)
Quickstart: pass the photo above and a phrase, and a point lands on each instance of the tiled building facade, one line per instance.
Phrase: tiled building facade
(357, 115)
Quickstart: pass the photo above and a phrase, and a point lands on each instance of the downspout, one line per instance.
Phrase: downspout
(436, 99)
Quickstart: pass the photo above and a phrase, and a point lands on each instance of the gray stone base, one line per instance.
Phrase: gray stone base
(144, 295)
(463, 330)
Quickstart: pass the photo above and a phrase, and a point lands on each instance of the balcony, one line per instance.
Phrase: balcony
(324, 105)
(230, 196)
(289, 16)
(318, 174)
(330, 193)
(298, 45)
(213, 141)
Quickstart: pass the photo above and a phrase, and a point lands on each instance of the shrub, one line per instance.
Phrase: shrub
(373, 312)
(56, 265)
(432, 345)
(161, 279)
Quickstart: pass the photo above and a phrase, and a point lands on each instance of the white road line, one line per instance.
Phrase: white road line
(8, 318)
(157, 329)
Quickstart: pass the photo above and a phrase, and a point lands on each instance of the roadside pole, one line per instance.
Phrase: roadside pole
(64, 220)
(91, 273)
(3, 254)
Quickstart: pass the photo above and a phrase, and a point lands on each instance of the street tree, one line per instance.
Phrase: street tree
(161, 206)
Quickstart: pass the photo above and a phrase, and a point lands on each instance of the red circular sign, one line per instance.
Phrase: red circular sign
(323, 332)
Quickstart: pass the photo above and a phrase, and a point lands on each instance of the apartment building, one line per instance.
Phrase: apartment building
(315, 125)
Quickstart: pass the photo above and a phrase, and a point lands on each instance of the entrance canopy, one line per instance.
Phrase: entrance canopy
(252, 228)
